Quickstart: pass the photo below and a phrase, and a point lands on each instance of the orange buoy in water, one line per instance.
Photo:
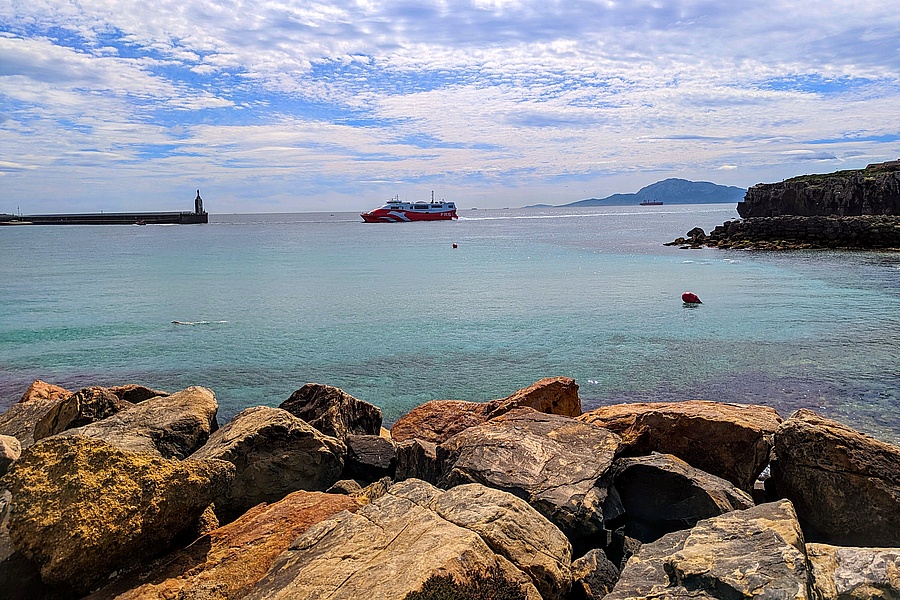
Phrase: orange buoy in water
(690, 298)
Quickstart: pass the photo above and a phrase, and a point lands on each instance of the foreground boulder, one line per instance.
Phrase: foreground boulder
(753, 553)
(593, 576)
(82, 508)
(392, 546)
(333, 411)
(228, 561)
(661, 493)
(731, 441)
(169, 426)
(85, 406)
(841, 573)
(20, 419)
(555, 463)
(369, 458)
(274, 453)
(135, 393)
(10, 450)
(844, 484)
(439, 420)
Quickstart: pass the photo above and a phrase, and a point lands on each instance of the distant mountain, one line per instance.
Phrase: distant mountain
(671, 191)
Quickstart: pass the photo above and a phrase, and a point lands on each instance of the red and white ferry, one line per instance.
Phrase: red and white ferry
(396, 211)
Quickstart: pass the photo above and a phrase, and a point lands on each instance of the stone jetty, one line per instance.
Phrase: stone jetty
(134, 493)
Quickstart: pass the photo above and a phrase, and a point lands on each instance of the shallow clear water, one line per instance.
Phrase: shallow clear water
(394, 315)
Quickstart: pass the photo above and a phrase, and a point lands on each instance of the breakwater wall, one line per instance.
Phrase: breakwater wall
(141, 218)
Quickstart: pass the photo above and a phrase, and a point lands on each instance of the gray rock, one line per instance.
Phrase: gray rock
(843, 573)
(417, 459)
(19, 419)
(333, 411)
(370, 457)
(275, 453)
(556, 463)
(594, 576)
(753, 553)
(85, 406)
(666, 494)
(844, 485)
(136, 393)
(169, 426)
(390, 547)
(10, 450)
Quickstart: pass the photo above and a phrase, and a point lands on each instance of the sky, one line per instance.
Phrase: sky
(295, 106)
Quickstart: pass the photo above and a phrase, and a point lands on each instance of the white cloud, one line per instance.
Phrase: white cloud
(288, 98)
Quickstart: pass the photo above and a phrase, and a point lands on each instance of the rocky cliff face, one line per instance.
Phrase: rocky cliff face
(874, 190)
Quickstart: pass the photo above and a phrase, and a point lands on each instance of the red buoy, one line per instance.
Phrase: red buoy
(690, 298)
(454, 245)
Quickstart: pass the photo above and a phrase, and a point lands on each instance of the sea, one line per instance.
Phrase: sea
(254, 306)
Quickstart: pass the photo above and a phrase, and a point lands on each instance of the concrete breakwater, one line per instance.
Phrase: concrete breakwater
(130, 492)
(130, 218)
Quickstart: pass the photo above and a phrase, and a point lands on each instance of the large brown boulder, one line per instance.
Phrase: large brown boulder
(844, 484)
(169, 426)
(439, 420)
(275, 453)
(661, 493)
(390, 547)
(41, 390)
(82, 508)
(753, 553)
(85, 406)
(20, 419)
(593, 576)
(333, 411)
(731, 441)
(228, 561)
(417, 459)
(556, 463)
(847, 573)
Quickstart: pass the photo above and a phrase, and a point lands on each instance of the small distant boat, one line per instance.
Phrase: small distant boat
(650, 203)
(397, 211)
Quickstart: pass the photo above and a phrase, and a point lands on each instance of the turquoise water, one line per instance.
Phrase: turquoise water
(394, 315)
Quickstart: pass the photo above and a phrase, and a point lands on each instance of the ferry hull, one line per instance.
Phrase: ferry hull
(406, 216)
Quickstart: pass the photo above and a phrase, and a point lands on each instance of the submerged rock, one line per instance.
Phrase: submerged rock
(844, 484)
(731, 441)
(82, 508)
(333, 411)
(439, 420)
(274, 453)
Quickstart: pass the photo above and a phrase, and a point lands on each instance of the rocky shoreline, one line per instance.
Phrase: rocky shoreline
(857, 210)
(130, 492)
(867, 232)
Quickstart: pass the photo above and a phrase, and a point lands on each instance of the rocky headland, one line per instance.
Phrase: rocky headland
(131, 492)
(857, 209)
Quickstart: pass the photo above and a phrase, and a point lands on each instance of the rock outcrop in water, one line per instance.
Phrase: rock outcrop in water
(874, 190)
(848, 209)
(551, 506)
